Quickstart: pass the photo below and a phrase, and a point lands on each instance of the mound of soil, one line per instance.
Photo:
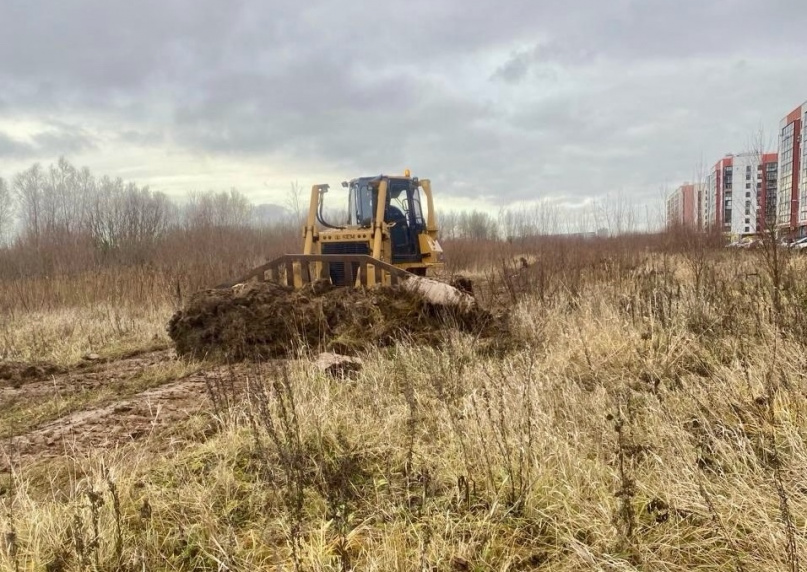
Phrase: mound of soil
(268, 320)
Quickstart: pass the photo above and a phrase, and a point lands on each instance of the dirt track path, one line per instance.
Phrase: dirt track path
(105, 425)
(36, 381)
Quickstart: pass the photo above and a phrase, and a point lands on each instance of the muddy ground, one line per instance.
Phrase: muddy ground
(105, 423)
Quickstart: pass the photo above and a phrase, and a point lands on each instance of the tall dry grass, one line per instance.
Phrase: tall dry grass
(64, 298)
(653, 419)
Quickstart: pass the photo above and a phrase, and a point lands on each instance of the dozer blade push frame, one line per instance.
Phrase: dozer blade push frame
(298, 270)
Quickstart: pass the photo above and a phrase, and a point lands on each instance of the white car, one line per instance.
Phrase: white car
(799, 244)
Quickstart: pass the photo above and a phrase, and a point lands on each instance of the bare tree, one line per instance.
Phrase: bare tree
(695, 237)
(6, 211)
(54, 204)
(758, 143)
(581, 219)
(661, 216)
(123, 216)
(449, 225)
(477, 225)
(218, 210)
(294, 202)
(28, 187)
(620, 213)
(232, 209)
(65, 204)
(542, 217)
(105, 218)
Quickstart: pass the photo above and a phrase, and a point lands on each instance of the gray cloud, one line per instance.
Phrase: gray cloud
(63, 138)
(506, 101)
(57, 139)
(13, 148)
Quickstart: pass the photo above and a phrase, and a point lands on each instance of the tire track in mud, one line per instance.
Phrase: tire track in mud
(106, 425)
(28, 381)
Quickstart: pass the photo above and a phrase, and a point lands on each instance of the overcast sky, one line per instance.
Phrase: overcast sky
(495, 102)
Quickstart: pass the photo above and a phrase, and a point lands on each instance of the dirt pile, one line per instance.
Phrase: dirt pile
(268, 320)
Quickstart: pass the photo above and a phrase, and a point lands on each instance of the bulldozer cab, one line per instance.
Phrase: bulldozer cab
(403, 213)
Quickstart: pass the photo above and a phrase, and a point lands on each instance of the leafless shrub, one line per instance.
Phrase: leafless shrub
(626, 452)
(277, 415)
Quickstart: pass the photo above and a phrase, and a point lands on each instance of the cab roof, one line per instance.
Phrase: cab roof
(379, 177)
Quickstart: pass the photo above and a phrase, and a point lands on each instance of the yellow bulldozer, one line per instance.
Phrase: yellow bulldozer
(387, 239)
(387, 249)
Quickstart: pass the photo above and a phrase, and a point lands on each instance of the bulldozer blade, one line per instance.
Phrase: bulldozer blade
(357, 271)
(298, 270)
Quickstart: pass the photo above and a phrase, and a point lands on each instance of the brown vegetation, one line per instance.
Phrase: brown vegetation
(653, 418)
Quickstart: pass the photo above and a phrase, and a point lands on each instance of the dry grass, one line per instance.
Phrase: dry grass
(65, 336)
(655, 420)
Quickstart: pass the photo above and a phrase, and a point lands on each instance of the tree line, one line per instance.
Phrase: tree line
(60, 218)
(62, 203)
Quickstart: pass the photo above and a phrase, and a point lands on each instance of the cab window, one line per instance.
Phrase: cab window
(361, 204)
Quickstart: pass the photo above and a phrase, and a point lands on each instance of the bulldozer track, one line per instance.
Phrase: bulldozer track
(109, 424)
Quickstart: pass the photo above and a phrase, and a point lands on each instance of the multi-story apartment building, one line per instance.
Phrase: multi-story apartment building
(743, 217)
(767, 189)
(792, 190)
(740, 193)
(718, 195)
(674, 209)
(684, 206)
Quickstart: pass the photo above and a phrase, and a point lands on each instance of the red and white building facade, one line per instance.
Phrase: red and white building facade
(684, 206)
(792, 193)
(741, 194)
(718, 199)
(767, 191)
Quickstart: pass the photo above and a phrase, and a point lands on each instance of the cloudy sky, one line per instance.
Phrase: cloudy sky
(495, 102)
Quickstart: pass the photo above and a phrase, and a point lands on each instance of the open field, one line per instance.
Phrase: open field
(652, 416)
